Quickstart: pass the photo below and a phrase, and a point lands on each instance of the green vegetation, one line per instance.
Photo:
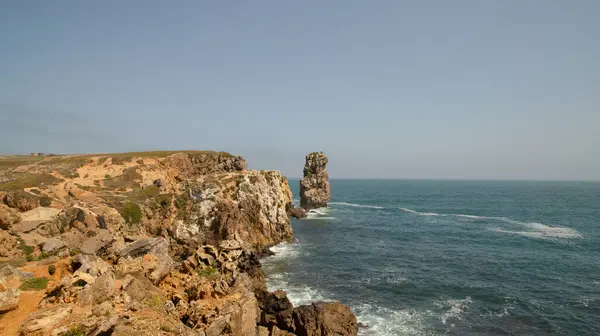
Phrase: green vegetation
(45, 201)
(51, 269)
(107, 176)
(10, 162)
(34, 284)
(74, 252)
(155, 302)
(75, 331)
(209, 271)
(131, 212)
(129, 178)
(27, 180)
(24, 247)
(14, 262)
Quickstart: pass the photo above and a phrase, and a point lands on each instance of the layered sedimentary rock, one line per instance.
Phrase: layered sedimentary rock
(314, 186)
(147, 244)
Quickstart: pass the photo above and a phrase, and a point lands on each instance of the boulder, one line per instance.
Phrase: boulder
(101, 290)
(152, 254)
(8, 217)
(90, 264)
(325, 319)
(30, 220)
(297, 212)
(108, 218)
(53, 245)
(21, 200)
(8, 246)
(9, 300)
(314, 186)
(46, 319)
(276, 310)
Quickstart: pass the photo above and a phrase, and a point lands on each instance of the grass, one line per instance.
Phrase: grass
(45, 201)
(129, 178)
(209, 271)
(75, 331)
(142, 194)
(14, 262)
(33, 284)
(155, 302)
(28, 250)
(27, 180)
(11, 162)
(166, 328)
(131, 212)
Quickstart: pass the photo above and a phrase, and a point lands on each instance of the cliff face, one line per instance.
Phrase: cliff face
(154, 243)
(314, 186)
(249, 207)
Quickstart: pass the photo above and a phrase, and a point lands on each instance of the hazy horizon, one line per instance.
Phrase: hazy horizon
(466, 90)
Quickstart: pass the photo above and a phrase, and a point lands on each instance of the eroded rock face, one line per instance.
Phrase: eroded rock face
(8, 217)
(325, 319)
(249, 207)
(9, 300)
(314, 186)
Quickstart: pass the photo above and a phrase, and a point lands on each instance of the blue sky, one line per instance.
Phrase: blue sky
(407, 89)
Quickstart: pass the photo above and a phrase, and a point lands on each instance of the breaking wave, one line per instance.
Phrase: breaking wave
(356, 205)
(535, 230)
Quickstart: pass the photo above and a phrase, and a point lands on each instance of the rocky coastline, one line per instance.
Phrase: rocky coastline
(150, 243)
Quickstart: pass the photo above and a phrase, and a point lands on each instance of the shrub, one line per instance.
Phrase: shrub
(51, 269)
(24, 247)
(45, 201)
(107, 176)
(34, 284)
(131, 212)
(155, 302)
(74, 252)
(75, 331)
(209, 271)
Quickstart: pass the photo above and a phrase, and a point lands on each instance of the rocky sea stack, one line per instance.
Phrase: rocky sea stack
(314, 186)
(150, 243)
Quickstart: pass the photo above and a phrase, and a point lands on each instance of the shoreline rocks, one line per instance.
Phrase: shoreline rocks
(314, 186)
(162, 245)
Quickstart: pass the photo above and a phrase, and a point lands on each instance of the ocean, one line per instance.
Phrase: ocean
(451, 257)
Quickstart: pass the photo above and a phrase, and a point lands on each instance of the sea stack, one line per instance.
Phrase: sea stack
(314, 186)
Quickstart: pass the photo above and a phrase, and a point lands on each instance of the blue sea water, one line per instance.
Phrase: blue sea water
(451, 257)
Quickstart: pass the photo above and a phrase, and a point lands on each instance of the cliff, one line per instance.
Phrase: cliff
(314, 186)
(151, 243)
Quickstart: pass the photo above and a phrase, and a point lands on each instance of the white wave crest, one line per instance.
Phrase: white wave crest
(421, 213)
(319, 213)
(382, 321)
(356, 205)
(551, 232)
(283, 251)
(536, 230)
(454, 308)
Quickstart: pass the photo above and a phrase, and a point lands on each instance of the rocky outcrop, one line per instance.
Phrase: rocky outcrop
(150, 244)
(325, 319)
(249, 207)
(297, 212)
(9, 300)
(8, 217)
(314, 186)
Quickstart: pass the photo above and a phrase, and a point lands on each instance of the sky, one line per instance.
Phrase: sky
(467, 89)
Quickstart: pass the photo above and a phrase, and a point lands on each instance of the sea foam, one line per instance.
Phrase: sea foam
(354, 205)
(535, 230)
